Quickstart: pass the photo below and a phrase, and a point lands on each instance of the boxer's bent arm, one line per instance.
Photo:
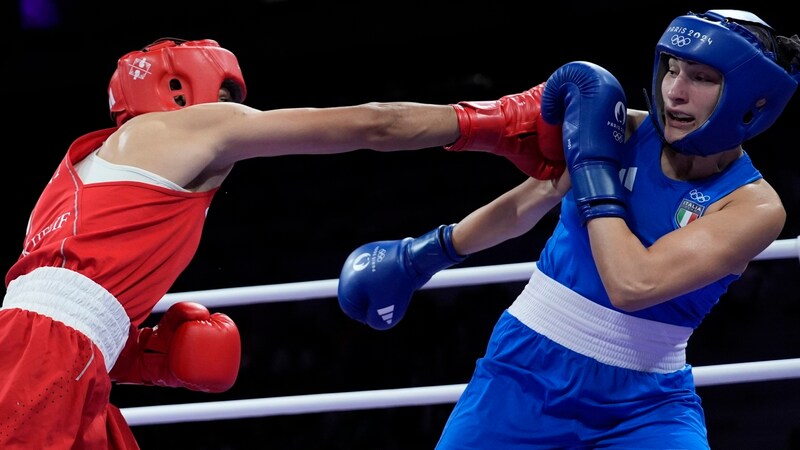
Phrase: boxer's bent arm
(688, 258)
(510, 215)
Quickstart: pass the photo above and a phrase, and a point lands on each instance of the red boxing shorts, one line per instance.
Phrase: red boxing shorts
(54, 388)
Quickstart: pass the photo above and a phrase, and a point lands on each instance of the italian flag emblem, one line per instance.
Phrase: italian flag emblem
(687, 213)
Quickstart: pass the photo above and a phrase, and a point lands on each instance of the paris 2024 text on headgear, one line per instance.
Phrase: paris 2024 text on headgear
(755, 90)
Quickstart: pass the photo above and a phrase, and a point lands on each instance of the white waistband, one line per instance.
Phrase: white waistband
(69, 297)
(608, 336)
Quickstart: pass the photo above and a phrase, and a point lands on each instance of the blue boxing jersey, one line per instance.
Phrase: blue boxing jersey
(656, 206)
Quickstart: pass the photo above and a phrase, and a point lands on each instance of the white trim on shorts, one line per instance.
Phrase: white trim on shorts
(611, 337)
(78, 302)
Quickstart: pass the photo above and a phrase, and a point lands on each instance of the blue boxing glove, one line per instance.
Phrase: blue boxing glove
(590, 103)
(379, 278)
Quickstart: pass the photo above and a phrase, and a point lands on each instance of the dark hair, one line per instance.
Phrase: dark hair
(788, 52)
(784, 50)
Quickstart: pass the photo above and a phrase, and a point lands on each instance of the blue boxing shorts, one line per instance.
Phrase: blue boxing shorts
(529, 391)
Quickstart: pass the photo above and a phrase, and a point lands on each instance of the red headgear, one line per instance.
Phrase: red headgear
(170, 74)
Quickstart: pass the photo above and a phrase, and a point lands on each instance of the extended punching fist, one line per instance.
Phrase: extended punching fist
(188, 348)
(590, 104)
(379, 278)
(512, 127)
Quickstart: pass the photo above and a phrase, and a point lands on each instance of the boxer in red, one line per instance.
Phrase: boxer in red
(123, 214)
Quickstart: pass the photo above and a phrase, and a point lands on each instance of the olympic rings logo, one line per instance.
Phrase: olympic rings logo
(680, 41)
(619, 137)
(698, 196)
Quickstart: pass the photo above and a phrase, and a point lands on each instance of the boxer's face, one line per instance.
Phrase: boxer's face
(225, 95)
(690, 91)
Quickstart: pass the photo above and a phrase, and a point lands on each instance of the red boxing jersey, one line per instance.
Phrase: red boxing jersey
(132, 238)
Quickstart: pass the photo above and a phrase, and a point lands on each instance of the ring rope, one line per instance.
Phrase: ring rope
(430, 395)
(467, 276)
(420, 396)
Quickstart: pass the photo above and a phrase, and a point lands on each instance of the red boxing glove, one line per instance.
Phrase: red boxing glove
(513, 127)
(188, 348)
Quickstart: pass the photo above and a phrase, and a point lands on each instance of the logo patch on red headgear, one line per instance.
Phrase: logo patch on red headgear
(139, 69)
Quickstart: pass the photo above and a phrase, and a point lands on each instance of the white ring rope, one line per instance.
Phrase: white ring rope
(430, 395)
(468, 276)
(389, 398)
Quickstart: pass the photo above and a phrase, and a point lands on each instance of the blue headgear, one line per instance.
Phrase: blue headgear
(750, 74)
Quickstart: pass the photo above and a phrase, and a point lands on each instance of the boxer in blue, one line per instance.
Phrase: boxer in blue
(660, 211)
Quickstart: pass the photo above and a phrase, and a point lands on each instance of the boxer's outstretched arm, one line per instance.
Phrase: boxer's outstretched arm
(196, 147)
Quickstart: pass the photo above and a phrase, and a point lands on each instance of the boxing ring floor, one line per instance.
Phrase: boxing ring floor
(436, 400)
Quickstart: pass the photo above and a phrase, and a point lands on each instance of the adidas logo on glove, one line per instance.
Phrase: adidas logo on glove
(387, 314)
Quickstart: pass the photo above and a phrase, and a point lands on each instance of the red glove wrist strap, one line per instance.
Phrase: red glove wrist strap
(482, 125)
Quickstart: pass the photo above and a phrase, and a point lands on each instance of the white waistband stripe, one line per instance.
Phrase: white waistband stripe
(608, 336)
(75, 300)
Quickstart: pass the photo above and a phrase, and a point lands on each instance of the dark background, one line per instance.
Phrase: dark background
(296, 218)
